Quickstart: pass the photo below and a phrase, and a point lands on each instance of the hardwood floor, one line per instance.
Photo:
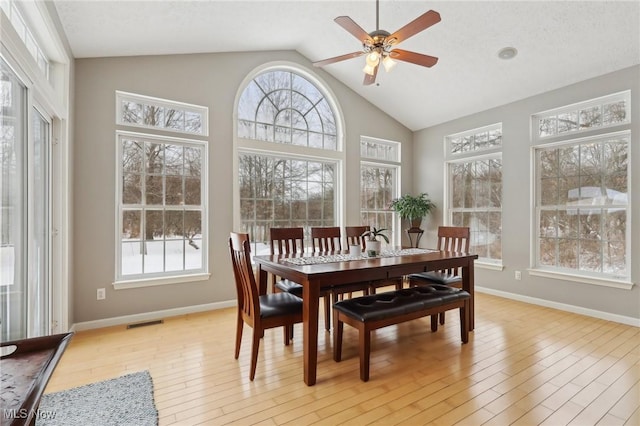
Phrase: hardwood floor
(523, 365)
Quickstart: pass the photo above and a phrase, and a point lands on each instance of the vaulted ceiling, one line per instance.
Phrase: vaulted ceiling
(558, 43)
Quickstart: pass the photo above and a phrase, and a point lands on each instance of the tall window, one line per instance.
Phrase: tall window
(474, 197)
(24, 212)
(379, 171)
(582, 193)
(288, 154)
(162, 207)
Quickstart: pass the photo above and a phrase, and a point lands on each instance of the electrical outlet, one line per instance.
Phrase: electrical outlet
(518, 275)
(101, 295)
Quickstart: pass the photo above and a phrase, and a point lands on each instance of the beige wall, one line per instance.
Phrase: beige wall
(429, 176)
(211, 80)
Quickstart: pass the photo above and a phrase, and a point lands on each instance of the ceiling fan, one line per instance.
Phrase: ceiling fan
(379, 45)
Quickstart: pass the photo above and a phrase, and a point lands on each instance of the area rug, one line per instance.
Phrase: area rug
(125, 400)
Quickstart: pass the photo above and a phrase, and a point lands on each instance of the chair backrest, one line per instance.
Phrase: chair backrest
(454, 238)
(326, 239)
(354, 235)
(246, 286)
(287, 240)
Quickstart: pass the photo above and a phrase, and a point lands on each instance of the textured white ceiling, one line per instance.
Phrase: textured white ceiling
(559, 43)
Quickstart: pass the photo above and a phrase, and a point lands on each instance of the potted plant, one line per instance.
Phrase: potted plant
(372, 244)
(413, 208)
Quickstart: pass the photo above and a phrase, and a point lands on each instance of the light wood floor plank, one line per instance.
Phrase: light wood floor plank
(523, 365)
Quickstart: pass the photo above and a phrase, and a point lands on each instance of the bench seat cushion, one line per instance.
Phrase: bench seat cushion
(394, 303)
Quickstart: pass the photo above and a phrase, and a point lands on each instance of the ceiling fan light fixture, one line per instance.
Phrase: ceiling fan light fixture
(373, 58)
(369, 69)
(388, 63)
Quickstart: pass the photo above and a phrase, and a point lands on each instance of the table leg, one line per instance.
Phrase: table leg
(468, 284)
(262, 280)
(310, 299)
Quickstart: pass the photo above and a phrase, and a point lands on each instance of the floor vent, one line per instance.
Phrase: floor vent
(144, 324)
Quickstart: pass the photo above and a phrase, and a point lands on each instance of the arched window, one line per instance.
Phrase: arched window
(288, 154)
(284, 107)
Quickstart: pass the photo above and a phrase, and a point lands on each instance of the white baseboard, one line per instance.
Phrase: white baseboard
(150, 316)
(562, 306)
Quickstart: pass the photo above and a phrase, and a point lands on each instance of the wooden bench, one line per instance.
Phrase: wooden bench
(369, 313)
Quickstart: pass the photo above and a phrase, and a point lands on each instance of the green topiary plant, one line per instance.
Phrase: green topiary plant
(412, 207)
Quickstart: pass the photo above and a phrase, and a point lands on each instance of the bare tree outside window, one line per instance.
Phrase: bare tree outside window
(583, 203)
(161, 205)
(475, 188)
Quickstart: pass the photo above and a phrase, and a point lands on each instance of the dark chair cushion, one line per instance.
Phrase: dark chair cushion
(272, 305)
(436, 277)
(289, 287)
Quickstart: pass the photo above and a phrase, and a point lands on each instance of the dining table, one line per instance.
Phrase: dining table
(320, 270)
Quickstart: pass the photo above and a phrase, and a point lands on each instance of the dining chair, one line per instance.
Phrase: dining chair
(450, 238)
(354, 236)
(328, 239)
(260, 312)
(287, 241)
(325, 239)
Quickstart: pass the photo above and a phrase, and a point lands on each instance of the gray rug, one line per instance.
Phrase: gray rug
(125, 400)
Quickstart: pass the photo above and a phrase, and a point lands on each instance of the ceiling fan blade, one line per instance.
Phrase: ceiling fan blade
(355, 29)
(413, 57)
(370, 79)
(337, 59)
(421, 23)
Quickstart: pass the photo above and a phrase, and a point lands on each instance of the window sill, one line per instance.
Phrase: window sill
(151, 282)
(488, 265)
(605, 282)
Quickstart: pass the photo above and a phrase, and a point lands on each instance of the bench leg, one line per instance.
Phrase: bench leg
(365, 351)
(434, 322)
(337, 336)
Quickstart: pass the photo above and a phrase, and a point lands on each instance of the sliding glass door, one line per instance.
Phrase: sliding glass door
(24, 213)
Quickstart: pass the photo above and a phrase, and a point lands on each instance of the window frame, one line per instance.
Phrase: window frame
(471, 156)
(170, 277)
(396, 166)
(571, 274)
(624, 96)
(164, 103)
(243, 145)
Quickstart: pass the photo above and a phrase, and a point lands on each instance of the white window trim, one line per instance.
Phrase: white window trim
(489, 127)
(619, 96)
(165, 103)
(386, 142)
(601, 279)
(172, 277)
(52, 97)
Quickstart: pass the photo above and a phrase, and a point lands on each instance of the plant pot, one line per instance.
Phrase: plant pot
(372, 247)
(415, 224)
